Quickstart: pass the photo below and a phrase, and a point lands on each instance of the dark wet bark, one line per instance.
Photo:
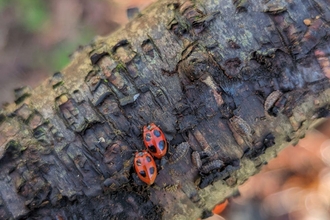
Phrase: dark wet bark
(229, 83)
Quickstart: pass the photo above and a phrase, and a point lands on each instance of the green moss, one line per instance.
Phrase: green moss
(120, 67)
(14, 148)
(58, 84)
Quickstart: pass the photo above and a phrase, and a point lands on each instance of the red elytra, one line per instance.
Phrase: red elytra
(219, 208)
(145, 167)
(155, 141)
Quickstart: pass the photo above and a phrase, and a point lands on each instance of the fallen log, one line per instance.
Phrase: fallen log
(229, 83)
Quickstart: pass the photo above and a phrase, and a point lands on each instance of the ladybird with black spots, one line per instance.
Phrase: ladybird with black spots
(145, 167)
(155, 141)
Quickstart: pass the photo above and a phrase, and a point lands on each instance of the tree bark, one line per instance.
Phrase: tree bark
(230, 83)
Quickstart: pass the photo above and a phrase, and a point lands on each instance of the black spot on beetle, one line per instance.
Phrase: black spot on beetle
(148, 137)
(161, 145)
(156, 133)
(143, 173)
(152, 148)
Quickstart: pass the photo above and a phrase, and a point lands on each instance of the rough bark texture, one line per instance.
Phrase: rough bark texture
(230, 83)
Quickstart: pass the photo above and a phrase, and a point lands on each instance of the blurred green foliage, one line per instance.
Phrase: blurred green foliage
(59, 57)
(32, 13)
(33, 16)
(3, 3)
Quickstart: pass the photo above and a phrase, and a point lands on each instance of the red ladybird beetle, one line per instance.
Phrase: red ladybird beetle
(154, 140)
(145, 167)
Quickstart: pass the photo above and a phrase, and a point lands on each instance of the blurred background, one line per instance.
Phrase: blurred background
(36, 39)
(37, 36)
(293, 186)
